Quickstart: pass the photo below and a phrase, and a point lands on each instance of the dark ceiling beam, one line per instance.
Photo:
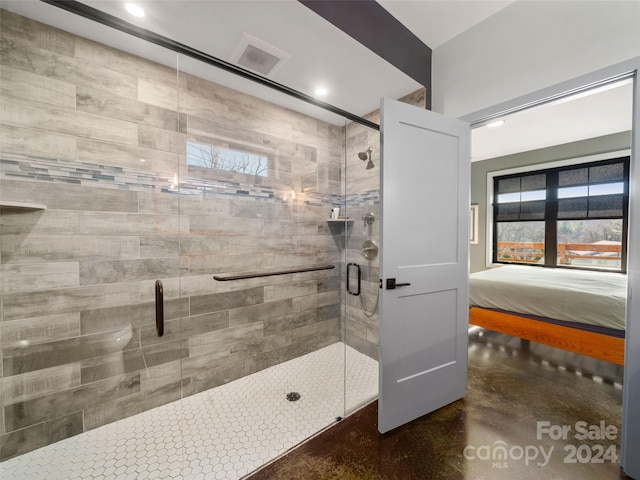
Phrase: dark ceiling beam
(375, 28)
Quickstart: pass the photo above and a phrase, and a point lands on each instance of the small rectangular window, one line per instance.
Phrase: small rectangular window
(211, 156)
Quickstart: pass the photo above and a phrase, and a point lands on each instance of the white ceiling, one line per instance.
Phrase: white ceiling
(321, 54)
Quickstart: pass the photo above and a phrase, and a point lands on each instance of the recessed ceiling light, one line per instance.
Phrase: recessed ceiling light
(133, 9)
(321, 91)
(497, 123)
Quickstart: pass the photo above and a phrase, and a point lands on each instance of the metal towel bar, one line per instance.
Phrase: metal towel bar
(226, 278)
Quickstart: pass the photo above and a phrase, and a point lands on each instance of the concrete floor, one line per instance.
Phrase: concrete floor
(531, 412)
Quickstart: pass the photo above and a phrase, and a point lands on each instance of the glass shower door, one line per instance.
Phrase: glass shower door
(88, 223)
(362, 202)
(265, 365)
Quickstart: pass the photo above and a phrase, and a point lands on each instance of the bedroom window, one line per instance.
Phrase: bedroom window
(572, 216)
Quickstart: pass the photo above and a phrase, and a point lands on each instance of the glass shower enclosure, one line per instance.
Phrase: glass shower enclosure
(173, 289)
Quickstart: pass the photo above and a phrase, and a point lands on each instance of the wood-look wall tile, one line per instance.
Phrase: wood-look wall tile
(248, 106)
(170, 287)
(315, 301)
(279, 227)
(323, 329)
(212, 377)
(123, 407)
(133, 157)
(39, 435)
(207, 245)
(19, 359)
(98, 320)
(330, 283)
(36, 88)
(63, 196)
(290, 259)
(154, 378)
(257, 347)
(316, 243)
(160, 94)
(37, 143)
(196, 285)
(202, 225)
(129, 270)
(255, 363)
(226, 301)
(216, 264)
(160, 204)
(37, 276)
(290, 290)
(159, 247)
(258, 244)
(94, 53)
(185, 328)
(165, 352)
(172, 332)
(56, 249)
(30, 412)
(313, 224)
(260, 312)
(222, 340)
(19, 388)
(16, 27)
(67, 121)
(40, 61)
(362, 346)
(300, 319)
(40, 329)
(199, 104)
(68, 300)
(111, 365)
(128, 224)
(253, 209)
(206, 360)
(105, 104)
(38, 222)
(25, 54)
(205, 206)
(163, 140)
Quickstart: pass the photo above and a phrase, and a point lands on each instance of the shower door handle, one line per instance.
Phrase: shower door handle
(357, 292)
(392, 284)
(159, 308)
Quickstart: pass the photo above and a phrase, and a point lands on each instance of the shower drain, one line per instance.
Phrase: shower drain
(293, 396)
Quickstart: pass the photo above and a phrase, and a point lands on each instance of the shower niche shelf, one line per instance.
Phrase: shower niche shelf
(18, 206)
(340, 220)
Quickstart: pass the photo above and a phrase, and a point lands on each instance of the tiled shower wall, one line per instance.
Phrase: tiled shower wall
(362, 197)
(94, 139)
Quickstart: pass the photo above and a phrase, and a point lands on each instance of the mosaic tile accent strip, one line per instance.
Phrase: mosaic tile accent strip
(106, 176)
(222, 434)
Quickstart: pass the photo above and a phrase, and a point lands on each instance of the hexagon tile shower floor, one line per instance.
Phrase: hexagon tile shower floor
(223, 433)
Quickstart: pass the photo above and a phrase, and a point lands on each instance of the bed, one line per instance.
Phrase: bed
(576, 310)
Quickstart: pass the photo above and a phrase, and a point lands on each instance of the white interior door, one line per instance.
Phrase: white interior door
(425, 250)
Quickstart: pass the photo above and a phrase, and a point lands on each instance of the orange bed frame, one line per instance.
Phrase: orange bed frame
(596, 345)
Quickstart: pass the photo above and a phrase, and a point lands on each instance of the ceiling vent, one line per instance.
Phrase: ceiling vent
(258, 56)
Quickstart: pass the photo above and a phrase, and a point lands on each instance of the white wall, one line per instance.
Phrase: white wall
(531, 45)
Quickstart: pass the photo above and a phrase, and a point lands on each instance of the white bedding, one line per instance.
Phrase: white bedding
(596, 298)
